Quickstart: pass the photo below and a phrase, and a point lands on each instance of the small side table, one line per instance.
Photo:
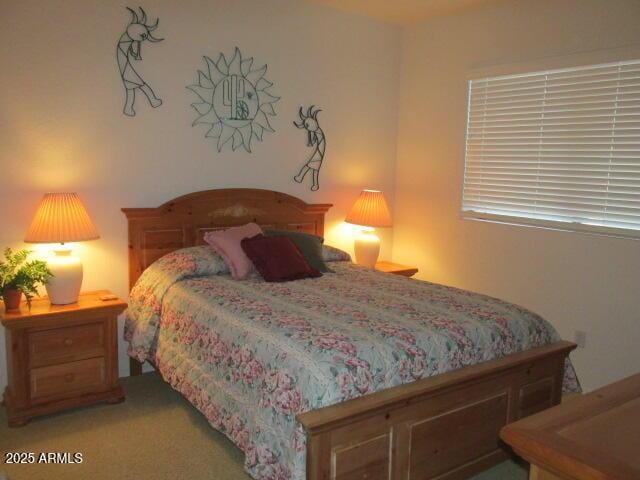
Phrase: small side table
(396, 269)
(61, 356)
(592, 436)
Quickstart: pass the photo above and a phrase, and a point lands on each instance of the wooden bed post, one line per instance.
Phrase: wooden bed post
(135, 367)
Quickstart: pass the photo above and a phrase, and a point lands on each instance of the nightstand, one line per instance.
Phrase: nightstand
(61, 356)
(396, 269)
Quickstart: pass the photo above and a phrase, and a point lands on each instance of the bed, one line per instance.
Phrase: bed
(356, 374)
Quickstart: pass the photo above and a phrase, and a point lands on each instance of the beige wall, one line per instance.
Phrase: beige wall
(62, 127)
(576, 281)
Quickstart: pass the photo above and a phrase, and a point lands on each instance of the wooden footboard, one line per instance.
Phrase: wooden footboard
(443, 427)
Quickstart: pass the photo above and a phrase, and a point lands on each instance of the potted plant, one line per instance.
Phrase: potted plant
(17, 277)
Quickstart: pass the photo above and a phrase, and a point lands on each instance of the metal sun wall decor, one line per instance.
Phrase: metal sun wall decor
(130, 48)
(315, 139)
(234, 102)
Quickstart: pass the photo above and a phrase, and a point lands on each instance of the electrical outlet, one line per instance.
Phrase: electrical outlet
(580, 338)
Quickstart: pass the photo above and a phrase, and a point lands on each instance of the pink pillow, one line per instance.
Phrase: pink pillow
(226, 243)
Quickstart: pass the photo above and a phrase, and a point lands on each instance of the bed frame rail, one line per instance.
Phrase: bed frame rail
(443, 427)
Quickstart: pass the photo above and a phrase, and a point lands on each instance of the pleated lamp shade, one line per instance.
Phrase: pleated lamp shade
(370, 210)
(61, 218)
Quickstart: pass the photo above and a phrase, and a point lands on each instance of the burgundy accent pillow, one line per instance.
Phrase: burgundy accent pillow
(277, 259)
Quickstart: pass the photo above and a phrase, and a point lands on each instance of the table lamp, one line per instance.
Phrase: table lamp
(370, 210)
(62, 218)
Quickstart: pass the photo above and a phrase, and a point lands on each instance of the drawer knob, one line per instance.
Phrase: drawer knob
(69, 377)
(68, 342)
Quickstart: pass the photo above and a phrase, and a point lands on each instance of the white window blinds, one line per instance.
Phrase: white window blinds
(558, 148)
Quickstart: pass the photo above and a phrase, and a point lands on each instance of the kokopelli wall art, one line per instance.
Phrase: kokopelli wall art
(130, 50)
(317, 142)
(233, 101)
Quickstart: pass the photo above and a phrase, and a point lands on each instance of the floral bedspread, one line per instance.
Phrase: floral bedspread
(250, 355)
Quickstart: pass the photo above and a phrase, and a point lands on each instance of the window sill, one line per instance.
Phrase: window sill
(554, 226)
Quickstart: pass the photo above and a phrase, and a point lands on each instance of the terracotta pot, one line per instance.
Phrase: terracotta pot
(12, 298)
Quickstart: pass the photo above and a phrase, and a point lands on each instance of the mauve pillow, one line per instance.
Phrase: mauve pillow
(277, 259)
(226, 243)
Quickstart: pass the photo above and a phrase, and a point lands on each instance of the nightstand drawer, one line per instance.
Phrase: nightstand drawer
(67, 380)
(68, 344)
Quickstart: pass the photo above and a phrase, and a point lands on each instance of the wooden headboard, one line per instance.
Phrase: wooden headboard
(183, 221)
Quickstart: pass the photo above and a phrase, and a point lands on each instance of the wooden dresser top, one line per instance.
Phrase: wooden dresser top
(592, 436)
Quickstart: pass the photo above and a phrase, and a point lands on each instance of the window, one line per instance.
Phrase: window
(557, 148)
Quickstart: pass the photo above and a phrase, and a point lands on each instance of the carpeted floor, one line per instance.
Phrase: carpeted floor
(154, 434)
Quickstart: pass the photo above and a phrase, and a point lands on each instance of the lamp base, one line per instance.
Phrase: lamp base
(367, 248)
(64, 287)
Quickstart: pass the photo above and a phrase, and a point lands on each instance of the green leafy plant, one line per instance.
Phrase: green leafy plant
(16, 273)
